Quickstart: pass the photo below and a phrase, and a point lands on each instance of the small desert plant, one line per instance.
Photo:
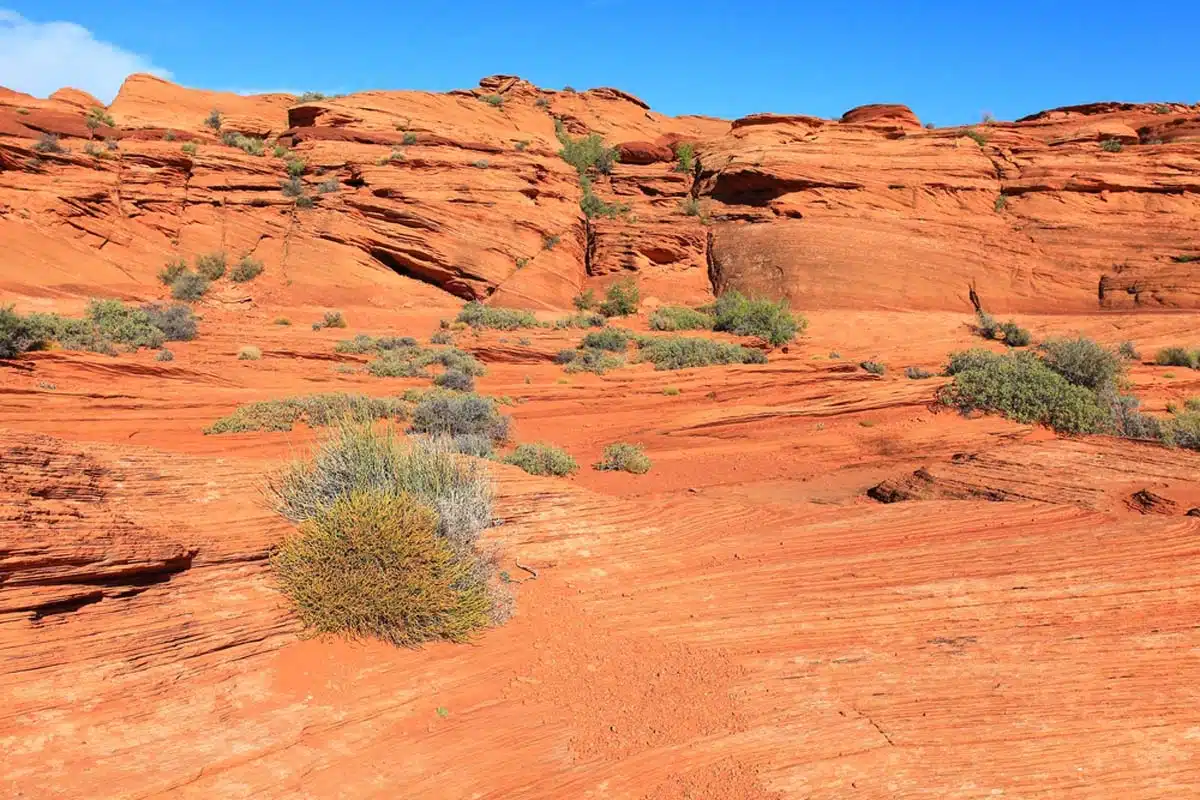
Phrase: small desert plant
(584, 319)
(371, 564)
(621, 299)
(542, 102)
(1176, 356)
(328, 186)
(456, 380)
(310, 97)
(684, 152)
(249, 353)
(1001, 202)
(624, 457)
(441, 337)
(586, 153)
(492, 100)
(172, 270)
(304, 201)
(189, 148)
(480, 164)
(873, 367)
(1022, 387)
(213, 120)
(611, 339)
(585, 300)
(211, 266)
(592, 206)
(169, 136)
(316, 410)
(176, 321)
(189, 286)
(279, 151)
(542, 459)
(20, 334)
(111, 144)
(522, 145)
(282, 321)
(292, 187)
(691, 207)
(477, 315)
(1128, 351)
(1111, 146)
(459, 414)
(1083, 362)
(979, 138)
(1015, 335)
(295, 167)
(550, 242)
(590, 359)
(673, 352)
(771, 322)
(246, 270)
(522, 262)
(1186, 258)
(251, 145)
(48, 143)
(92, 150)
(333, 319)
(164, 355)
(917, 373)
(410, 138)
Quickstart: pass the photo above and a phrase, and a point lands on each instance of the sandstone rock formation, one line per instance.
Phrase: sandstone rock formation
(461, 191)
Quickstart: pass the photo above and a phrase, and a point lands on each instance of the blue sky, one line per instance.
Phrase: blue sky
(949, 61)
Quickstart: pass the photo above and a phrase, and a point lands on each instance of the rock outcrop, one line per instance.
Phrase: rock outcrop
(1081, 208)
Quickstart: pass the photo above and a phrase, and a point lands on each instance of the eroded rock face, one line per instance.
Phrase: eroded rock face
(463, 195)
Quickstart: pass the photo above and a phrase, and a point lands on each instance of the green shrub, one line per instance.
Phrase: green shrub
(873, 367)
(20, 334)
(96, 117)
(917, 373)
(189, 148)
(586, 153)
(1182, 430)
(333, 319)
(621, 299)
(771, 322)
(282, 321)
(249, 353)
(1186, 258)
(593, 360)
(317, 410)
(213, 120)
(1176, 356)
(454, 414)
(565, 356)
(292, 187)
(211, 266)
(456, 380)
(176, 321)
(296, 167)
(48, 143)
(246, 270)
(549, 242)
(230, 138)
(1083, 362)
(189, 286)
(671, 391)
(624, 457)
(494, 100)
(680, 318)
(542, 459)
(362, 458)
(1111, 146)
(1015, 335)
(310, 97)
(480, 164)
(592, 206)
(410, 362)
(371, 564)
(172, 270)
(684, 152)
(974, 358)
(612, 339)
(675, 352)
(477, 315)
(1128, 351)
(582, 320)
(279, 151)
(691, 207)
(522, 145)
(164, 355)
(542, 102)
(1001, 202)
(585, 300)
(1022, 387)
(124, 324)
(251, 145)
(979, 138)
(441, 337)
(410, 138)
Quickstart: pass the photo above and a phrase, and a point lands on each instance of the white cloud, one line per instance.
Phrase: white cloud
(39, 58)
